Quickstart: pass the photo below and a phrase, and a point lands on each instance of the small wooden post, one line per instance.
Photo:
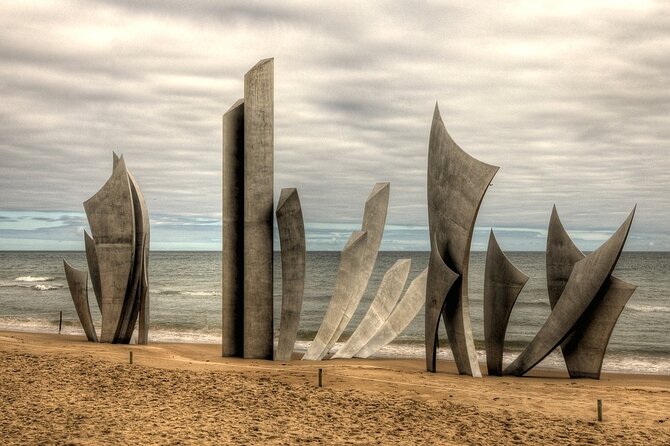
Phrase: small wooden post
(600, 410)
(130, 357)
(60, 322)
(320, 377)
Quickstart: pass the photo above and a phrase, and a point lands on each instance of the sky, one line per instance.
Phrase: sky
(571, 99)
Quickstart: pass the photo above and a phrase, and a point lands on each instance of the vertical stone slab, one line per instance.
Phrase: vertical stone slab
(94, 270)
(233, 231)
(502, 284)
(292, 240)
(258, 205)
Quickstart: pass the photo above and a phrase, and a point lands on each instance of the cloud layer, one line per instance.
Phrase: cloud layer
(572, 100)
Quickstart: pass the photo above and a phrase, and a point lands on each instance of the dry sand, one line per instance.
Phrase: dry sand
(64, 390)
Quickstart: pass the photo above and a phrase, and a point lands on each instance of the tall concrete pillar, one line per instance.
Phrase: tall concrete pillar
(233, 230)
(258, 206)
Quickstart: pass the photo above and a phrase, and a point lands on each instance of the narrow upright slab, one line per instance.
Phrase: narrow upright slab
(94, 270)
(292, 241)
(402, 315)
(586, 279)
(502, 284)
(382, 305)
(233, 231)
(77, 281)
(112, 221)
(350, 265)
(457, 183)
(258, 204)
(584, 348)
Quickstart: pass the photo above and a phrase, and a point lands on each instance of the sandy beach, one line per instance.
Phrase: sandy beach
(63, 390)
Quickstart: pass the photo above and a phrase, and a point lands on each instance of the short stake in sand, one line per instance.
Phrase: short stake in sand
(130, 357)
(60, 321)
(600, 410)
(320, 377)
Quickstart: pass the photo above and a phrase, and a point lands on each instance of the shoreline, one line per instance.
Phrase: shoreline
(542, 407)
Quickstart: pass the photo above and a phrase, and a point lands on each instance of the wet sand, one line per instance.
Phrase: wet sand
(63, 390)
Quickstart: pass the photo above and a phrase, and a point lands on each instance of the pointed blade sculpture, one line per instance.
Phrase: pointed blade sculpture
(586, 279)
(77, 281)
(502, 284)
(403, 314)
(385, 300)
(349, 287)
(584, 349)
(112, 221)
(292, 241)
(350, 265)
(457, 183)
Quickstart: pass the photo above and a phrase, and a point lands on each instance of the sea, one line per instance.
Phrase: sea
(185, 297)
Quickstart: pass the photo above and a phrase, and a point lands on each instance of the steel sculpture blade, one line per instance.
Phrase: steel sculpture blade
(584, 349)
(137, 290)
(403, 314)
(77, 281)
(457, 183)
(292, 241)
(349, 269)
(94, 270)
(502, 284)
(586, 279)
(374, 219)
(233, 231)
(258, 203)
(382, 305)
(112, 221)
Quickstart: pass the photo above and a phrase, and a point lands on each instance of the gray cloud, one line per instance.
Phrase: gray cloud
(570, 99)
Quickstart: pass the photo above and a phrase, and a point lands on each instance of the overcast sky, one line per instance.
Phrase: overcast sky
(570, 99)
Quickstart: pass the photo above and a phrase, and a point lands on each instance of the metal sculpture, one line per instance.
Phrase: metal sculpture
(77, 281)
(457, 183)
(292, 242)
(117, 255)
(248, 153)
(382, 305)
(584, 283)
(350, 286)
(584, 349)
(502, 284)
(403, 314)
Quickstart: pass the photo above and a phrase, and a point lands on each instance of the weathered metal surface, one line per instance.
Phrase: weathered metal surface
(382, 305)
(77, 281)
(94, 270)
(401, 316)
(111, 219)
(292, 241)
(374, 219)
(502, 284)
(457, 183)
(584, 348)
(233, 231)
(349, 269)
(258, 204)
(586, 279)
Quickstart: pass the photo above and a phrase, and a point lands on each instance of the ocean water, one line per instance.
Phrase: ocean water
(185, 292)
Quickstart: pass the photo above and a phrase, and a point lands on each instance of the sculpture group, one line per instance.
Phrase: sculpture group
(117, 253)
(585, 298)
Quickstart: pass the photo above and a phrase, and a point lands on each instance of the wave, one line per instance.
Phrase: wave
(648, 309)
(34, 279)
(202, 293)
(169, 292)
(47, 287)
